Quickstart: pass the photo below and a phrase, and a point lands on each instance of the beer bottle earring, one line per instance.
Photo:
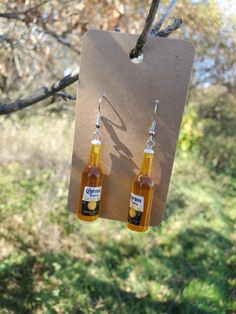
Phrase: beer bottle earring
(143, 186)
(91, 180)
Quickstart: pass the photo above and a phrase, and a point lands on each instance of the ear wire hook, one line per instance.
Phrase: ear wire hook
(152, 131)
(98, 121)
(97, 134)
(153, 127)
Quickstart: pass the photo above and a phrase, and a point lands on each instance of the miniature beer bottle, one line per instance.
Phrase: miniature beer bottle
(142, 195)
(91, 185)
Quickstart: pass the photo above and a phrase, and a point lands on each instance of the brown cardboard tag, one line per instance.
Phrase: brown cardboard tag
(132, 88)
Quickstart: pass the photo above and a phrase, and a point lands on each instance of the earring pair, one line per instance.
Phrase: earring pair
(142, 188)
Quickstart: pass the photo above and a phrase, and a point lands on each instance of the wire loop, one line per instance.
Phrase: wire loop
(152, 131)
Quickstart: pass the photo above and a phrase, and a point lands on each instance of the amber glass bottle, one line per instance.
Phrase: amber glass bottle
(91, 186)
(142, 195)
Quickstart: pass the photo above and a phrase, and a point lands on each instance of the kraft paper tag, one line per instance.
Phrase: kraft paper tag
(132, 89)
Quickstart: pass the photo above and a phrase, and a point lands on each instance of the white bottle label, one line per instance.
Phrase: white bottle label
(136, 202)
(92, 193)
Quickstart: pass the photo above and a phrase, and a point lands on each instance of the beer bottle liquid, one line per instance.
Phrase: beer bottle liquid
(91, 185)
(142, 195)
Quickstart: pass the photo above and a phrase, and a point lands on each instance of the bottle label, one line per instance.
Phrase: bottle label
(91, 200)
(136, 207)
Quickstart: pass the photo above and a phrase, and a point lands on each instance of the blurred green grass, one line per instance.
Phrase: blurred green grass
(53, 263)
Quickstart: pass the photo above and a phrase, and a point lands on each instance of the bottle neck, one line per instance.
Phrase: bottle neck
(95, 155)
(146, 168)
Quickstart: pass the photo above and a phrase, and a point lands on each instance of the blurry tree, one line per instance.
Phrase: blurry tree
(40, 40)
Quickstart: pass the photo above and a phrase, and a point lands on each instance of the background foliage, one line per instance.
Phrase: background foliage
(52, 263)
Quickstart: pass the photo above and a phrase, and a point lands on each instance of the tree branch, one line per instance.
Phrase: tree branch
(65, 96)
(61, 40)
(137, 51)
(39, 95)
(165, 15)
(170, 28)
(16, 15)
(21, 14)
(44, 93)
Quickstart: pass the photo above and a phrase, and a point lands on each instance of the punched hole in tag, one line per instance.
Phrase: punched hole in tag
(137, 60)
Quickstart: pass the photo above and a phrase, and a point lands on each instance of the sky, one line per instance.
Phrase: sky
(228, 6)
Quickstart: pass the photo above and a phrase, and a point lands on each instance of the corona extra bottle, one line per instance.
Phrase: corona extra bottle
(91, 179)
(143, 187)
(91, 185)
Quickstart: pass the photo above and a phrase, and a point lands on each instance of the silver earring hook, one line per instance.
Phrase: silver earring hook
(157, 104)
(103, 95)
(152, 131)
(97, 134)
(99, 120)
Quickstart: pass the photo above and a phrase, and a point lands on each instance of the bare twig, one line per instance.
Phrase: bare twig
(165, 15)
(65, 96)
(35, 7)
(170, 28)
(39, 95)
(155, 30)
(137, 51)
(62, 40)
(13, 15)
(21, 14)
